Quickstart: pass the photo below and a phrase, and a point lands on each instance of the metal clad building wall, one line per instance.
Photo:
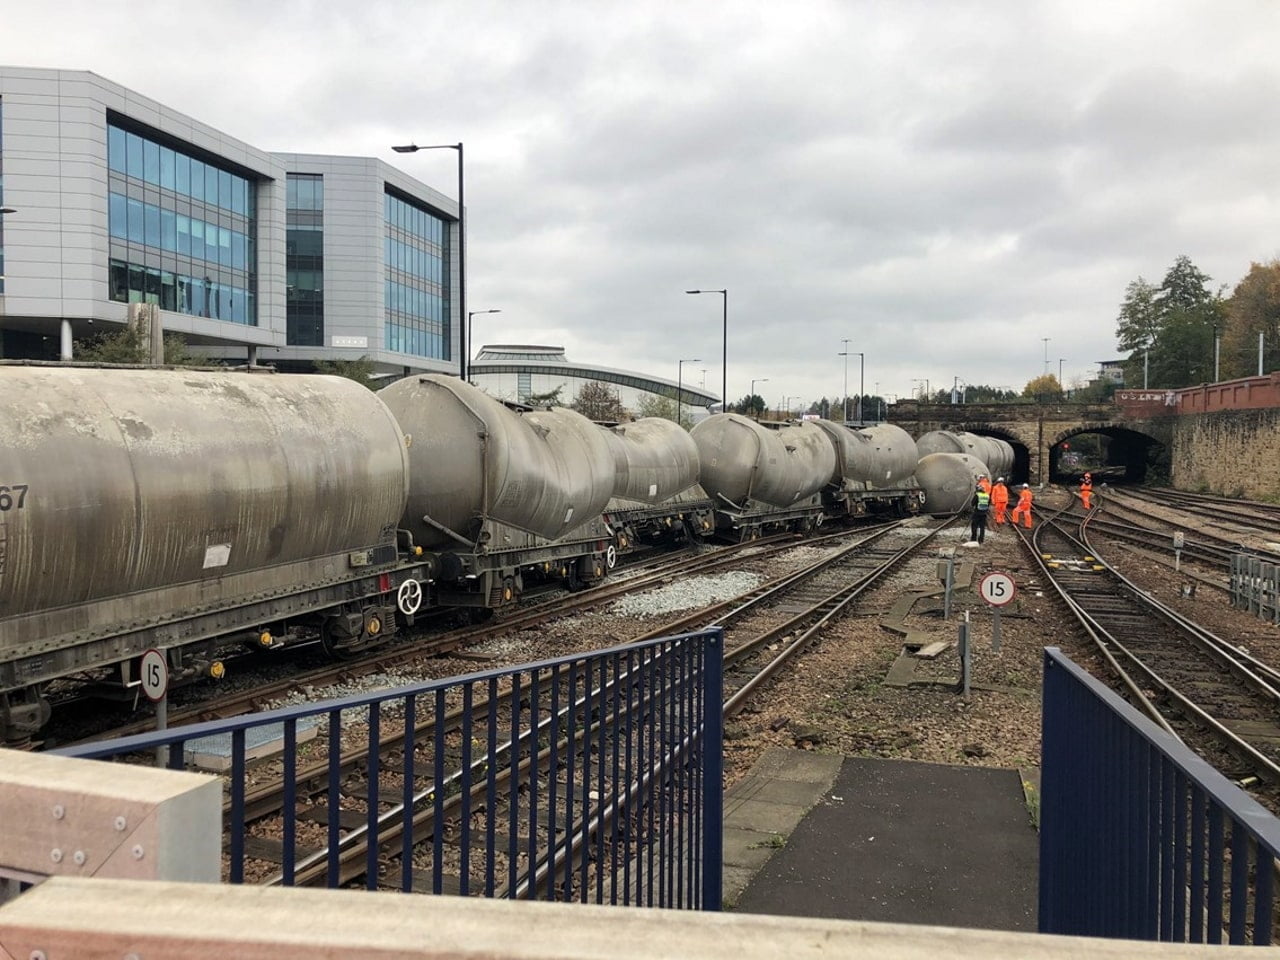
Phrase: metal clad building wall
(138, 479)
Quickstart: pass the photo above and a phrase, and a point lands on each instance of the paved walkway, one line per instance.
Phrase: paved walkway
(883, 840)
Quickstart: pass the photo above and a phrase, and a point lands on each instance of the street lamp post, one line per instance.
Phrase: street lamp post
(1046, 353)
(680, 386)
(845, 353)
(925, 381)
(1061, 387)
(862, 382)
(1216, 352)
(752, 396)
(724, 360)
(473, 313)
(462, 244)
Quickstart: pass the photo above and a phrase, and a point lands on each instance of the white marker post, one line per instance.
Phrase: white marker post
(154, 671)
(998, 590)
(1179, 541)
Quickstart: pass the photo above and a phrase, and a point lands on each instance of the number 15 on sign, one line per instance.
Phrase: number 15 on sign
(997, 589)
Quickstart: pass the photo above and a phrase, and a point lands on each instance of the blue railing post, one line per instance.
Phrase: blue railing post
(1136, 830)
(712, 746)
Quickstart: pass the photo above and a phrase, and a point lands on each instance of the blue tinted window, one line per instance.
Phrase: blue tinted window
(118, 216)
(133, 155)
(184, 235)
(182, 173)
(137, 228)
(166, 168)
(117, 150)
(210, 243)
(291, 193)
(224, 189)
(237, 250)
(151, 162)
(168, 230)
(224, 246)
(197, 238)
(153, 226)
(210, 184)
(239, 194)
(197, 180)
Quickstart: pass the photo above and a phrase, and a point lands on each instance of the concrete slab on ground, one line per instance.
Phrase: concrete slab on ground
(908, 842)
(765, 806)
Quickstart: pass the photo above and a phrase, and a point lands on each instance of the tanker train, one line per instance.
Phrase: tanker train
(193, 512)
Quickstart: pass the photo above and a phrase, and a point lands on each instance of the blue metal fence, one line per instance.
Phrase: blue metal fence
(1140, 837)
(595, 778)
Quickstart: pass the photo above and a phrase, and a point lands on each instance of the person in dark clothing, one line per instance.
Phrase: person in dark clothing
(981, 506)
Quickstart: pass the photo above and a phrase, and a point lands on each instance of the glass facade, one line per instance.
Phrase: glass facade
(183, 230)
(417, 252)
(304, 260)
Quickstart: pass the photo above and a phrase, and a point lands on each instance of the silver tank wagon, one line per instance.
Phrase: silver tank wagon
(743, 461)
(128, 480)
(948, 480)
(473, 460)
(182, 510)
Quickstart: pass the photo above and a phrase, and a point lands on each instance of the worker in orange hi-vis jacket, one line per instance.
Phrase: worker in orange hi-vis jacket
(1023, 508)
(984, 482)
(999, 500)
(1086, 489)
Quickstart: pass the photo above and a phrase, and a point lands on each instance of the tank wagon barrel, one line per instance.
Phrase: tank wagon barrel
(948, 480)
(158, 507)
(743, 461)
(995, 454)
(473, 460)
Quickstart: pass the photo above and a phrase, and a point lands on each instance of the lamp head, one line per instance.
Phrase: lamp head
(406, 148)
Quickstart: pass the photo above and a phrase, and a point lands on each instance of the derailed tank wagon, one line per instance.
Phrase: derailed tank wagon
(189, 510)
(500, 499)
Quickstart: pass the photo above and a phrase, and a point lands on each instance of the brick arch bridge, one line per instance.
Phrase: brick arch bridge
(1036, 430)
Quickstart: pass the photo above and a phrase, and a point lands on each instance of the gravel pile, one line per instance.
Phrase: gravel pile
(686, 594)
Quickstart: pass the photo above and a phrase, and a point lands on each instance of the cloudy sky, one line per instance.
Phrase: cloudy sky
(942, 183)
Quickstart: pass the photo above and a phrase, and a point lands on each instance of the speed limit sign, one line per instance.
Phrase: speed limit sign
(155, 675)
(997, 589)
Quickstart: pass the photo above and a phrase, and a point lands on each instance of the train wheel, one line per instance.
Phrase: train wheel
(332, 644)
(610, 557)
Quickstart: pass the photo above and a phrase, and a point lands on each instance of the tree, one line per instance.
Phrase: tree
(361, 370)
(751, 405)
(129, 345)
(821, 408)
(1043, 387)
(663, 407)
(596, 401)
(1253, 308)
(1171, 326)
(1139, 320)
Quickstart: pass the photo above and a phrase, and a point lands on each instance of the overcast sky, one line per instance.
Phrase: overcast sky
(943, 183)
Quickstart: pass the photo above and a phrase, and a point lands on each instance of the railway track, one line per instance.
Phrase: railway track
(1260, 521)
(764, 630)
(1193, 683)
(651, 573)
